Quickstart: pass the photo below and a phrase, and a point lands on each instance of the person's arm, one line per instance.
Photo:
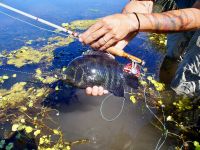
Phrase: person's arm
(171, 21)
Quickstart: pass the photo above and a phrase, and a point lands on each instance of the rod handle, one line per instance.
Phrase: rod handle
(122, 53)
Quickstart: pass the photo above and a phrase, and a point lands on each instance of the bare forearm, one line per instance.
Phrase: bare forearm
(138, 7)
(171, 21)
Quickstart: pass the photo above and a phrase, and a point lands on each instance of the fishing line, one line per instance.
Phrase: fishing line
(158, 146)
(114, 118)
(23, 72)
(26, 22)
(16, 71)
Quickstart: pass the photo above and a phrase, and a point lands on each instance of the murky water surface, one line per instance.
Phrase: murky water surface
(80, 115)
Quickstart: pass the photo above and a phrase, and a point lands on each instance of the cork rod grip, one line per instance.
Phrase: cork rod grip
(122, 53)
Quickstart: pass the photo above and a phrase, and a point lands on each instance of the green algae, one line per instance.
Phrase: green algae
(159, 41)
(18, 94)
(46, 79)
(28, 55)
(79, 24)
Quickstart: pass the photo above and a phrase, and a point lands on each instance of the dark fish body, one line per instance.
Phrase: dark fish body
(101, 70)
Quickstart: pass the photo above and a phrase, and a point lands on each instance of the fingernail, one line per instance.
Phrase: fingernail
(80, 39)
(105, 91)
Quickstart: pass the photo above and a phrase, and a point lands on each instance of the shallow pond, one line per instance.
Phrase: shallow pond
(78, 115)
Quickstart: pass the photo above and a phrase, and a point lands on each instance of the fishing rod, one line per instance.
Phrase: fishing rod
(112, 50)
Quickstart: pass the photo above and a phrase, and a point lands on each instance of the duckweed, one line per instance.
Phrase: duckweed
(27, 55)
(159, 41)
(19, 94)
(79, 24)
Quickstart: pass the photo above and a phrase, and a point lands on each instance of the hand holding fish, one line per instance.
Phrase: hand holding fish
(110, 30)
(99, 90)
(96, 91)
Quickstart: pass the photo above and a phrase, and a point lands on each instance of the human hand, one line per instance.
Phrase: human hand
(109, 30)
(96, 91)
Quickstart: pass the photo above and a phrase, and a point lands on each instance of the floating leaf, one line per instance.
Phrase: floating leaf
(68, 147)
(15, 127)
(37, 132)
(144, 83)
(14, 75)
(132, 98)
(41, 141)
(5, 77)
(28, 129)
(56, 132)
(38, 71)
(56, 88)
(22, 120)
(64, 69)
(169, 118)
(30, 104)
(196, 143)
(22, 108)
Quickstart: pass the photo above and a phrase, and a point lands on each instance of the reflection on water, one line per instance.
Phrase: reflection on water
(80, 116)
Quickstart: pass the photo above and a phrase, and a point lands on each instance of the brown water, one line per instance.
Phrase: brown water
(130, 131)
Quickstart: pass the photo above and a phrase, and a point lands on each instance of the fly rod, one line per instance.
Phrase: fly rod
(112, 50)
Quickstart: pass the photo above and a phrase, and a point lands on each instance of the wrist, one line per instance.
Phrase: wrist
(134, 22)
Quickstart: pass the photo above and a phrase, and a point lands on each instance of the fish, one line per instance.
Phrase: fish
(98, 69)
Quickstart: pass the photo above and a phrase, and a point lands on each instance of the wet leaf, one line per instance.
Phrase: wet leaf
(15, 127)
(28, 129)
(132, 98)
(37, 132)
(14, 75)
(5, 77)
(22, 120)
(57, 88)
(38, 71)
(57, 132)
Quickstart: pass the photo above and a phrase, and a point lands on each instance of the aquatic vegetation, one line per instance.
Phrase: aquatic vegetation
(45, 79)
(158, 86)
(18, 94)
(22, 102)
(159, 41)
(79, 24)
(27, 55)
(197, 146)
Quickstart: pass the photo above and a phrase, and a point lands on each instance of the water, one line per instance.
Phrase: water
(79, 116)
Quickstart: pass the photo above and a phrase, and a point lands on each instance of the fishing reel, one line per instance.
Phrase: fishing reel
(133, 69)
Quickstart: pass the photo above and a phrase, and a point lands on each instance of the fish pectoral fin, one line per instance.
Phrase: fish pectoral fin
(118, 91)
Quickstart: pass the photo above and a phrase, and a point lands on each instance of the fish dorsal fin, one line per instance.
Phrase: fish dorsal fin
(98, 53)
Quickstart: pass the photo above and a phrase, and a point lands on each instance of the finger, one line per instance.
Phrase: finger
(105, 92)
(92, 29)
(102, 41)
(108, 44)
(100, 91)
(95, 91)
(96, 35)
(88, 90)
